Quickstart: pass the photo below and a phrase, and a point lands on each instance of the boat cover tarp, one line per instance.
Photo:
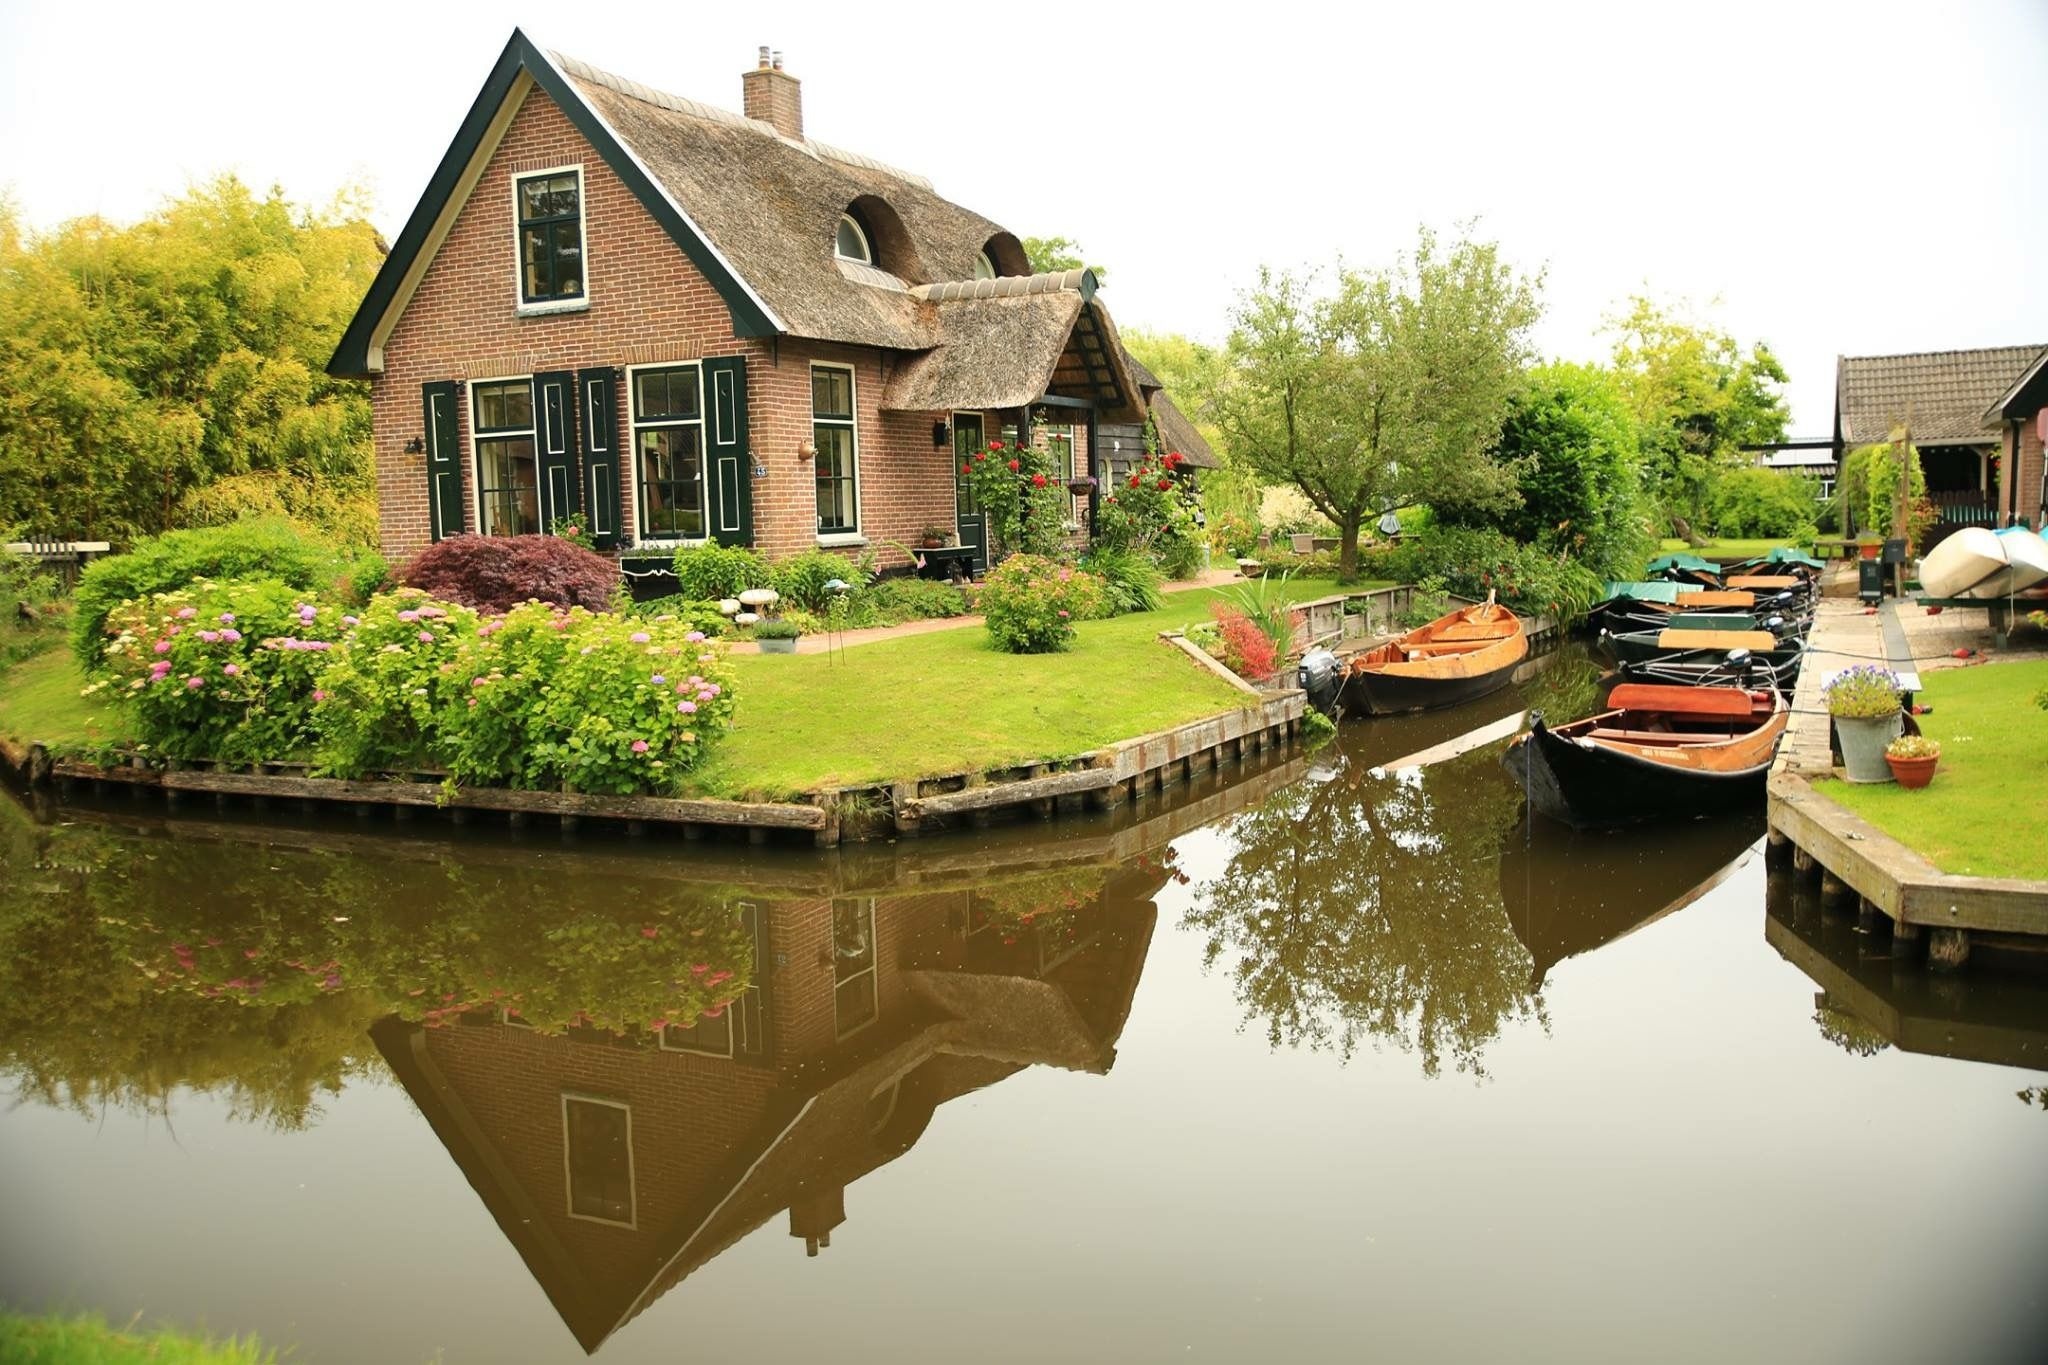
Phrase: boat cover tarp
(1681, 561)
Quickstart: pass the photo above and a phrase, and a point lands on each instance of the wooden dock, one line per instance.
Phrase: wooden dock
(1892, 887)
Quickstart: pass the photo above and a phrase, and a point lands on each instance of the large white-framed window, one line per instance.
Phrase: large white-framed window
(740, 1026)
(548, 239)
(504, 456)
(855, 999)
(668, 452)
(597, 1159)
(837, 466)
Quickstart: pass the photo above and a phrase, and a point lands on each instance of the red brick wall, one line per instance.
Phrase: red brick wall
(2028, 486)
(647, 303)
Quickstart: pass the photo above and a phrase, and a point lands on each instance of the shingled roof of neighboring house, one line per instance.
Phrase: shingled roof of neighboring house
(1943, 394)
(1176, 432)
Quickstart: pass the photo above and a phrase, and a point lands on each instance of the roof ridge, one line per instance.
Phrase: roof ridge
(682, 104)
(1081, 281)
(1956, 350)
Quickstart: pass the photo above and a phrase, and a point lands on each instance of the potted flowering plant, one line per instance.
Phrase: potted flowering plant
(1912, 759)
(1865, 704)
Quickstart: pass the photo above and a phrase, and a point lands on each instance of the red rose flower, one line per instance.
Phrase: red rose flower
(1013, 466)
(964, 469)
(979, 457)
(1172, 458)
(1134, 480)
(995, 445)
(1165, 484)
(1038, 480)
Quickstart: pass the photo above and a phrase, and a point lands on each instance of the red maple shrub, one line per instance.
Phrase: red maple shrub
(1247, 650)
(496, 573)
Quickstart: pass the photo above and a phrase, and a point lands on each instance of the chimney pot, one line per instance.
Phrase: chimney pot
(762, 62)
(778, 60)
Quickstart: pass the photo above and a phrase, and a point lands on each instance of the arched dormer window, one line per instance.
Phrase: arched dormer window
(852, 244)
(1003, 254)
(984, 268)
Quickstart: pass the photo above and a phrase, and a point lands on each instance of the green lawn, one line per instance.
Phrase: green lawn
(1732, 549)
(1980, 816)
(57, 1340)
(917, 706)
(946, 702)
(39, 700)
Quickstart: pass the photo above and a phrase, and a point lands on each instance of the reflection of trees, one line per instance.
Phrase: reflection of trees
(1841, 1027)
(1373, 912)
(133, 968)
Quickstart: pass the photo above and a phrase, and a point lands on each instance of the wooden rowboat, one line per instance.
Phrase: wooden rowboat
(1661, 752)
(1467, 654)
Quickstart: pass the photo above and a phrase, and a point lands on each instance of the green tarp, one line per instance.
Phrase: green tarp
(1786, 555)
(1644, 592)
(1681, 561)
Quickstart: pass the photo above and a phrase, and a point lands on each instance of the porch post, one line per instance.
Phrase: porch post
(1094, 470)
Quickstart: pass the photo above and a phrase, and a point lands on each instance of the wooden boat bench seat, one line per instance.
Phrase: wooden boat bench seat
(1719, 599)
(1718, 702)
(1474, 631)
(1760, 641)
(1664, 737)
(1765, 582)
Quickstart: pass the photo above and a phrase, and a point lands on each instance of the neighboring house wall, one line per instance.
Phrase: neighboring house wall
(2032, 506)
(647, 304)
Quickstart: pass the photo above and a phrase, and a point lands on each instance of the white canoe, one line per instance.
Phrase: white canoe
(2026, 557)
(1969, 563)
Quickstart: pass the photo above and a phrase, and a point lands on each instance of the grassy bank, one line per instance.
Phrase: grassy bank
(920, 705)
(1979, 818)
(90, 1341)
(1729, 549)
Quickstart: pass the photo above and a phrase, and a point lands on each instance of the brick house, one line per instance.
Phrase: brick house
(617, 1167)
(1969, 415)
(678, 324)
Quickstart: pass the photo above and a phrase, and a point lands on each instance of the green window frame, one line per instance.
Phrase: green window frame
(549, 205)
(668, 452)
(837, 466)
(506, 457)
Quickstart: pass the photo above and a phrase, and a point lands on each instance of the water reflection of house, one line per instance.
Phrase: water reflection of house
(1984, 1016)
(617, 1169)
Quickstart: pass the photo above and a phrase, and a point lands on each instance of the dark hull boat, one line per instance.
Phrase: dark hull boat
(1453, 659)
(1708, 671)
(1644, 646)
(1659, 753)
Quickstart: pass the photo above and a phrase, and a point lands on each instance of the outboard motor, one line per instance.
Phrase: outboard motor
(1321, 675)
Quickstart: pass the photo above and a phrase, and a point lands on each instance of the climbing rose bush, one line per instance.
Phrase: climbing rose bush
(224, 671)
(585, 702)
(1031, 604)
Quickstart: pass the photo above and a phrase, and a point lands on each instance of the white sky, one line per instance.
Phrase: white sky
(1833, 178)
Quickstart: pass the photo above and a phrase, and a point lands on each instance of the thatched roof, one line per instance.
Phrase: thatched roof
(1176, 432)
(771, 206)
(1006, 343)
(1942, 394)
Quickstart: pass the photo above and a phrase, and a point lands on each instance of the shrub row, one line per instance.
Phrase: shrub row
(538, 697)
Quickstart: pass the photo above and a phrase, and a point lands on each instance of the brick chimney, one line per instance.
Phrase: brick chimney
(773, 96)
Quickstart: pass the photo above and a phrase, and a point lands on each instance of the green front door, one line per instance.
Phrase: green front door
(968, 521)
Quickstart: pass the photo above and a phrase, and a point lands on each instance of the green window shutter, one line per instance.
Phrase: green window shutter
(598, 390)
(444, 459)
(554, 434)
(728, 459)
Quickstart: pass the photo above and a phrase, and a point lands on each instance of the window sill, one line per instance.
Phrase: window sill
(542, 310)
(837, 539)
(671, 544)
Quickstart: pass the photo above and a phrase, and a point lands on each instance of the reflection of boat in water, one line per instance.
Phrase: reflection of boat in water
(1659, 752)
(618, 1165)
(1865, 1001)
(1455, 658)
(1567, 892)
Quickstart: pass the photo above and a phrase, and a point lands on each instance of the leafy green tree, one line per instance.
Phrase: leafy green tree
(1050, 255)
(1192, 373)
(1386, 391)
(1571, 438)
(1698, 397)
(143, 365)
(1764, 502)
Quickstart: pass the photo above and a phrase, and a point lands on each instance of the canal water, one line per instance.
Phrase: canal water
(1318, 1062)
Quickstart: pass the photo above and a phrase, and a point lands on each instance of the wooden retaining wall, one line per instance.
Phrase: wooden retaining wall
(1269, 724)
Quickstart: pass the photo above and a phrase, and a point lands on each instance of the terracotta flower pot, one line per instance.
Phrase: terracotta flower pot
(1913, 772)
(1868, 549)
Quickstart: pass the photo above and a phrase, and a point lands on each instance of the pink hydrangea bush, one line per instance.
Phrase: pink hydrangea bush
(225, 671)
(586, 702)
(390, 683)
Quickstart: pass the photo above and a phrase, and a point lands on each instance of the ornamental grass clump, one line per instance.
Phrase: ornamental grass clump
(389, 682)
(222, 671)
(1865, 692)
(1031, 604)
(586, 702)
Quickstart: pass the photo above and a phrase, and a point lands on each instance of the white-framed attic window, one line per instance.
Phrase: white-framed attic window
(851, 243)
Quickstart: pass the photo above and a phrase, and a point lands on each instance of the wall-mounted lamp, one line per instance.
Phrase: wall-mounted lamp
(942, 434)
(806, 451)
(760, 470)
(416, 446)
